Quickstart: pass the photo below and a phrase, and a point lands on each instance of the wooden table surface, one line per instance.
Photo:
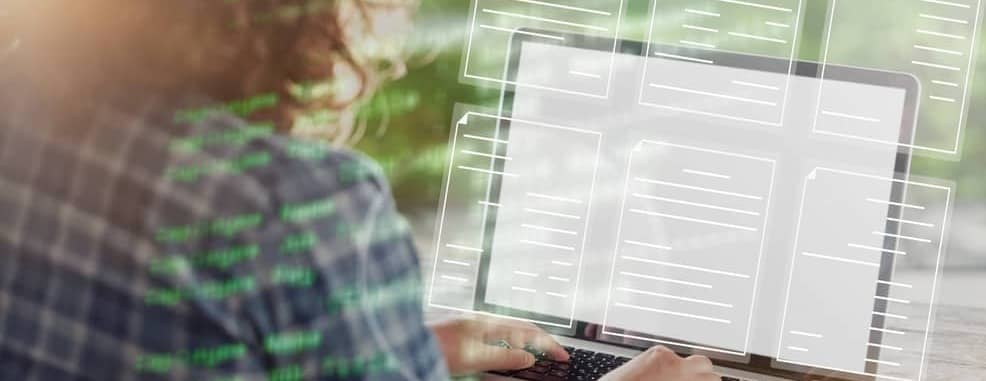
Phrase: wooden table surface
(957, 344)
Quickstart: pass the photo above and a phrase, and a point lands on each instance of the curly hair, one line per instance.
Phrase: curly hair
(322, 57)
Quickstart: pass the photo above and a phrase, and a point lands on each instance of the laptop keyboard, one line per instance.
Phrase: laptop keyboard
(584, 365)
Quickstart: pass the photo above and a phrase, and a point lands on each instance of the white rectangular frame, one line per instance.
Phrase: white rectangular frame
(787, 87)
(467, 57)
(962, 119)
(444, 204)
(763, 237)
(934, 285)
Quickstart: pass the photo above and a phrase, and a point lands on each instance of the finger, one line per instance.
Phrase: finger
(498, 358)
(547, 344)
(521, 334)
(538, 339)
(708, 377)
(699, 364)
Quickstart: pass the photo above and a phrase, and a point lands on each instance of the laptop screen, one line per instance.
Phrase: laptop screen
(693, 200)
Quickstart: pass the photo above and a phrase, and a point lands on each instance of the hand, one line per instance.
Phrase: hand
(661, 364)
(468, 345)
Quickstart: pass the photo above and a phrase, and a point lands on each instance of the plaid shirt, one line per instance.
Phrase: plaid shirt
(141, 245)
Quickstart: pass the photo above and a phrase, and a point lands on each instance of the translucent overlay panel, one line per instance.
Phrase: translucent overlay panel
(495, 22)
(669, 277)
(761, 27)
(537, 209)
(844, 308)
(935, 41)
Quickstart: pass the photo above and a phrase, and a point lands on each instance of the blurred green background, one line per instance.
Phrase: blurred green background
(410, 119)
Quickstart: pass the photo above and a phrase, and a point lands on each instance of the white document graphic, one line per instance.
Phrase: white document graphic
(495, 22)
(536, 210)
(939, 47)
(762, 27)
(846, 243)
(689, 246)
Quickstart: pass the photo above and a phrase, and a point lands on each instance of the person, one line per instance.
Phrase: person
(158, 222)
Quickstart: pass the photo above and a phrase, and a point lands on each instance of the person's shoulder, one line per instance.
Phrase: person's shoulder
(254, 152)
(315, 163)
(301, 170)
(225, 166)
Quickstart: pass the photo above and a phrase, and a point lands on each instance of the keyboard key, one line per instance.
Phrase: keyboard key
(528, 375)
(559, 373)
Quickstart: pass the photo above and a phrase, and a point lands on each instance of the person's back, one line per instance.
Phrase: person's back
(169, 244)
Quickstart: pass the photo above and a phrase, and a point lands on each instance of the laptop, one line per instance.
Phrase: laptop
(640, 188)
